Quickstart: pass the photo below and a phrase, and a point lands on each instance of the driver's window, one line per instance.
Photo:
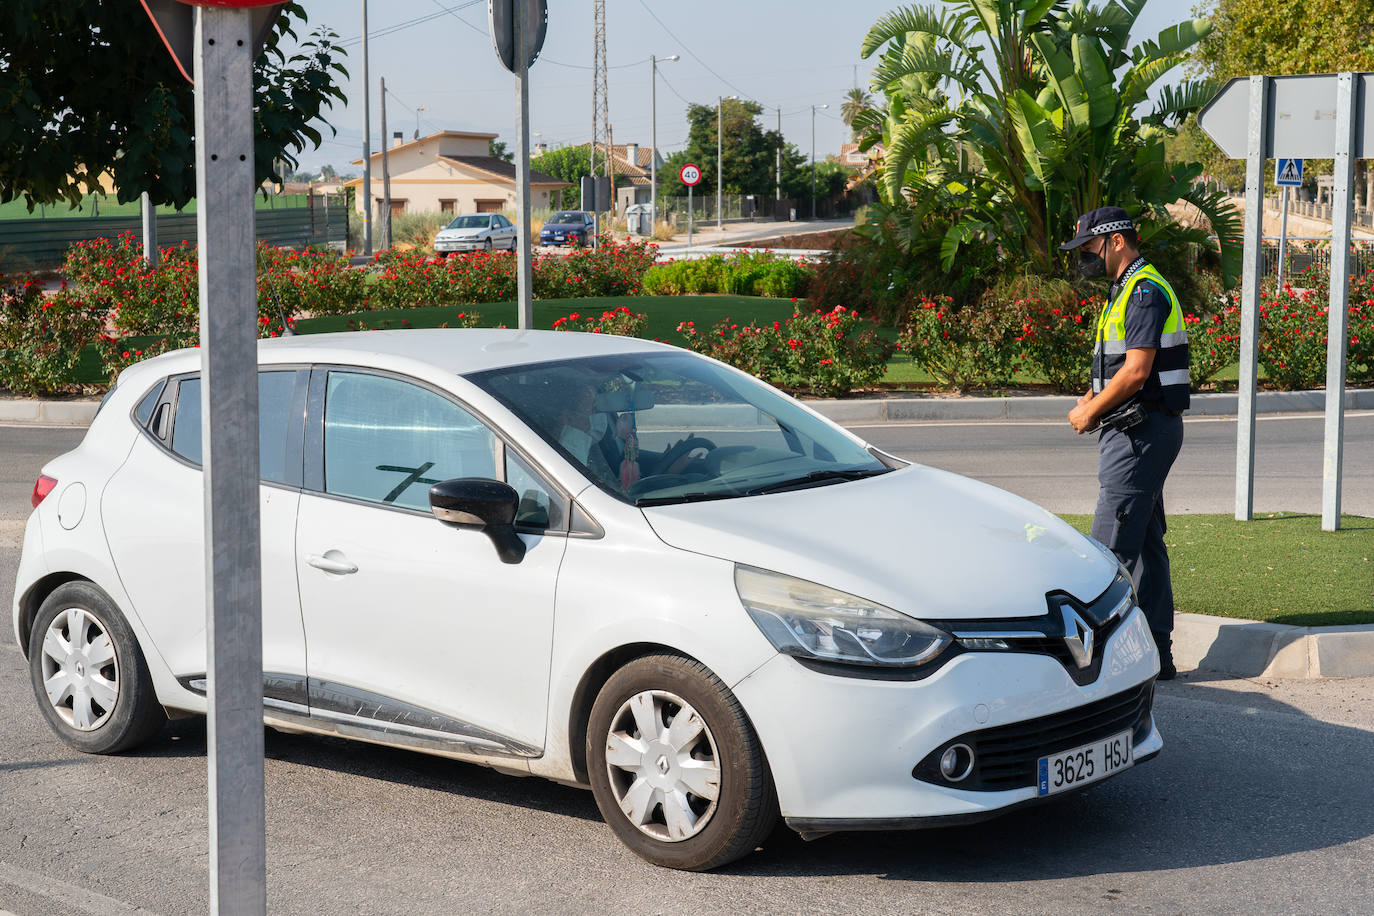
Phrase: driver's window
(388, 441)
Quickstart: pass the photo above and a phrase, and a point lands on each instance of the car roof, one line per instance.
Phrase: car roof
(454, 350)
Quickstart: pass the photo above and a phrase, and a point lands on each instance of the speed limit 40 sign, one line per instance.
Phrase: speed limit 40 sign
(690, 175)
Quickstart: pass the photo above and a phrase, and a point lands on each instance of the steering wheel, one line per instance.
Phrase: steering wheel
(685, 447)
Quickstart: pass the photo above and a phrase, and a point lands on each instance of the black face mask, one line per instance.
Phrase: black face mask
(1091, 264)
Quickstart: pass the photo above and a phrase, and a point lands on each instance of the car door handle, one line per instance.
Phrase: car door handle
(332, 561)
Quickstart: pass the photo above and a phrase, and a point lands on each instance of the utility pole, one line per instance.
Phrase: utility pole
(386, 176)
(367, 147)
(777, 179)
(813, 158)
(601, 117)
(653, 138)
(720, 161)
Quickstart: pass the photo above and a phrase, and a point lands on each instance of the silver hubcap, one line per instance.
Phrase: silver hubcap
(80, 672)
(663, 766)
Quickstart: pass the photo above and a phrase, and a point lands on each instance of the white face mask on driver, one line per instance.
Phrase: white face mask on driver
(579, 442)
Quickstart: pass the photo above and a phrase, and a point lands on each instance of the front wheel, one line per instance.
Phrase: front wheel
(88, 674)
(676, 768)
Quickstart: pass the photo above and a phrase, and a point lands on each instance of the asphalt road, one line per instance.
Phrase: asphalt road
(1260, 803)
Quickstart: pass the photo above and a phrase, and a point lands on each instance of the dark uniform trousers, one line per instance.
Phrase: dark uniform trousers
(1131, 470)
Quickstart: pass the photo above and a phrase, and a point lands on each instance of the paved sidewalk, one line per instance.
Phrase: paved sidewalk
(1225, 645)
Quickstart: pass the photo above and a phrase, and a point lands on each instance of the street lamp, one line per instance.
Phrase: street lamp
(417, 121)
(777, 179)
(653, 139)
(813, 158)
(720, 105)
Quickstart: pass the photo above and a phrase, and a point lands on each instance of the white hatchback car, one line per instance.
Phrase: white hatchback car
(476, 232)
(601, 560)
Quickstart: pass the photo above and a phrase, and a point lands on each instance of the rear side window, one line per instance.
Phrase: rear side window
(275, 392)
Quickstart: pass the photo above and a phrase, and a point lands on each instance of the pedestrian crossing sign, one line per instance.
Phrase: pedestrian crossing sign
(1288, 173)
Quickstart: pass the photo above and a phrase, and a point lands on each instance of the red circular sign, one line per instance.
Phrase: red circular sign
(690, 174)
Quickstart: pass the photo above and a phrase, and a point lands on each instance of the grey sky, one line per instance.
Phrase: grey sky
(775, 52)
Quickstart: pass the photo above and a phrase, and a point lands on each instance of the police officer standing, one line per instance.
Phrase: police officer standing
(1139, 393)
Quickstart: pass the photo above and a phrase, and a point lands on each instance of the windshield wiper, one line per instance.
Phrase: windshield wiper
(816, 478)
(696, 496)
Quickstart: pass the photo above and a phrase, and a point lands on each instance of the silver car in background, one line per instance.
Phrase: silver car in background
(476, 232)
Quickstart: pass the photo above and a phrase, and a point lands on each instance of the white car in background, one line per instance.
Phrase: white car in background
(476, 232)
(604, 561)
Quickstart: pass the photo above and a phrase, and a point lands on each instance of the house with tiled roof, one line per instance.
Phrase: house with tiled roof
(632, 164)
(451, 172)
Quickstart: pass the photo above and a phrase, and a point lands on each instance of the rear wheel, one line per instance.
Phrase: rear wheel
(88, 675)
(675, 766)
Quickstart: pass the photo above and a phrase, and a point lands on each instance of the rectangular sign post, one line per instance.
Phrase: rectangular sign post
(229, 405)
(1287, 174)
(1288, 117)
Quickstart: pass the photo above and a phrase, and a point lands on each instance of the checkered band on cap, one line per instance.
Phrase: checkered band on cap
(1112, 227)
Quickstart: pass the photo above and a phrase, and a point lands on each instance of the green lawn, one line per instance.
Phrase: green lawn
(1281, 568)
(664, 313)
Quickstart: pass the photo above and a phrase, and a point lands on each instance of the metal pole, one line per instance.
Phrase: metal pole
(386, 173)
(1283, 237)
(813, 161)
(524, 272)
(1342, 211)
(367, 146)
(689, 217)
(720, 105)
(1253, 262)
(229, 437)
(777, 178)
(653, 143)
(150, 251)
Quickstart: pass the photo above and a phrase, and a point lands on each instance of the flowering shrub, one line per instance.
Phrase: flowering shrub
(619, 321)
(759, 273)
(414, 280)
(1293, 338)
(965, 348)
(42, 338)
(613, 269)
(827, 353)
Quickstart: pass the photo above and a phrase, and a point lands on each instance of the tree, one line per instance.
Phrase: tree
(87, 89)
(497, 148)
(1279, 39)
(1007, 118)
(567, 163)
(856, 102)
(748, 153)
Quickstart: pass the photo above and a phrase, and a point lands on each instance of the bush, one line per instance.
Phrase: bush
(758, 273)
(828, 353)
(965, 348)
(611, 269)
(620, 321)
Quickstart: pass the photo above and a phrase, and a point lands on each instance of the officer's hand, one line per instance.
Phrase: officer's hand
(1081, 418)
(1085, 399)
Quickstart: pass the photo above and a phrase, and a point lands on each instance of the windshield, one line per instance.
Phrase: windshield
(470, 222)
(659, 428)
(567, 216)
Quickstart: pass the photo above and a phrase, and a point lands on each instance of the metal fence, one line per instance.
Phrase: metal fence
(39, 241)
(1313, 253)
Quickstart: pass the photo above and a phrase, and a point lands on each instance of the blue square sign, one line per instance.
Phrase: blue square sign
(1288, 173)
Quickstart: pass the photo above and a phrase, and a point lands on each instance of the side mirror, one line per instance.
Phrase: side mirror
(476, 502)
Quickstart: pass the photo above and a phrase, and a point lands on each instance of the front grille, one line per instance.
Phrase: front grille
(1005, 757)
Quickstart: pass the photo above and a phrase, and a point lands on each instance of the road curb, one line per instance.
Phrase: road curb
(1057, 407)
(1252, 648)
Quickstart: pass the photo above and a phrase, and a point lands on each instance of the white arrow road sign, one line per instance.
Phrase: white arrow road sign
(1300, 122)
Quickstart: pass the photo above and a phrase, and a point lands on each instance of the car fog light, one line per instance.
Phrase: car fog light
(956, 762)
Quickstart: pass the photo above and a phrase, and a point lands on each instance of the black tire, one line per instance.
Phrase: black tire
(745, 809)
(109, 655)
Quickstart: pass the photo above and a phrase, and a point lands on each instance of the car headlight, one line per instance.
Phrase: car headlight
(811, 621)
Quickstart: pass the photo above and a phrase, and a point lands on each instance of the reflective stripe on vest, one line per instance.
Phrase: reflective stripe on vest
(1171, 359)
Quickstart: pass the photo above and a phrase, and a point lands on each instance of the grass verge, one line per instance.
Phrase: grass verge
(1279, 568)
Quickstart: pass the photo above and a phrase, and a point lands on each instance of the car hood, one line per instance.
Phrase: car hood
(563, 227)
(924, 542)
(460, 233)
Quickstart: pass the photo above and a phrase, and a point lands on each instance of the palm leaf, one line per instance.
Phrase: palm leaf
(1229, 225)
(919, 19)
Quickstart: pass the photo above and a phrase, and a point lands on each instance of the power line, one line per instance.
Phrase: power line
(684, 47)
(410, 23)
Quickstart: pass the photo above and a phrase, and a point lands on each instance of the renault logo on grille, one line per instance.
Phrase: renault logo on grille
(1078, 636)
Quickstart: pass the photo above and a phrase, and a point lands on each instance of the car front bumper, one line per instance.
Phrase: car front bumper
(444, 247)
(843, 750)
